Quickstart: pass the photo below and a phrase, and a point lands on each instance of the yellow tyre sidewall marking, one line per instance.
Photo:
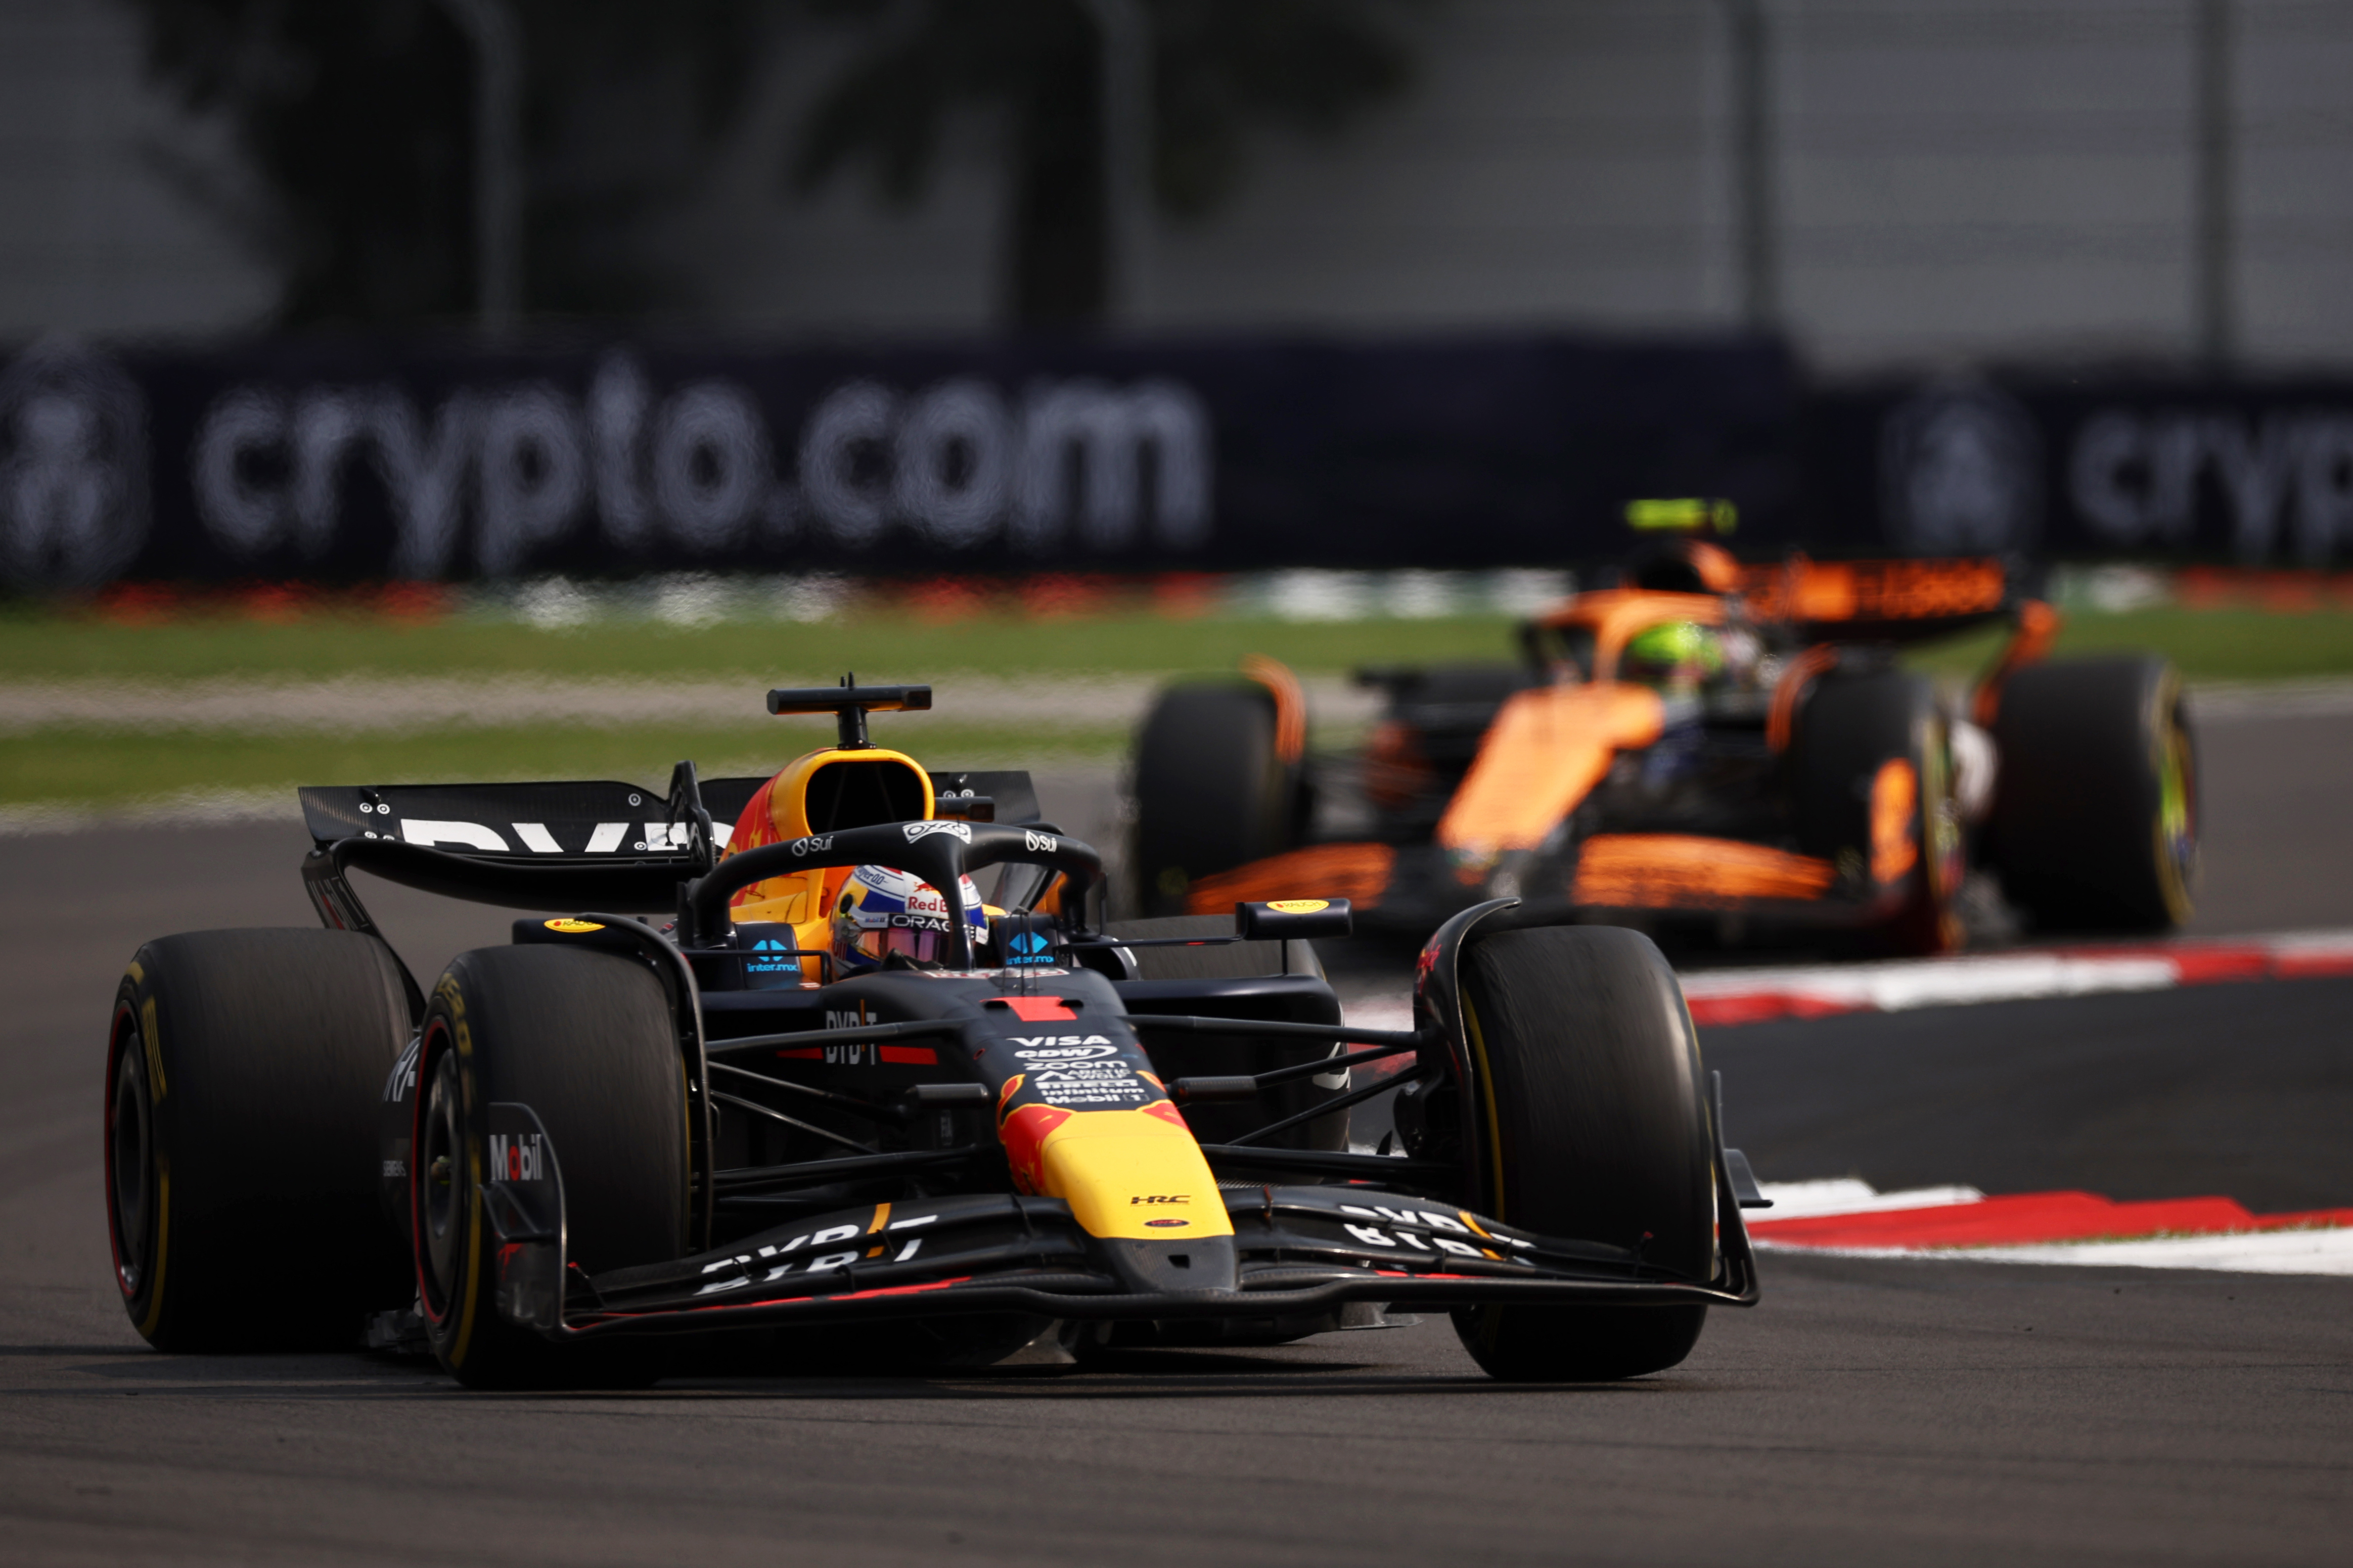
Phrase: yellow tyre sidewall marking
(151, 1040)
(1487, 1093)
(163, 1249)
(151, 1048)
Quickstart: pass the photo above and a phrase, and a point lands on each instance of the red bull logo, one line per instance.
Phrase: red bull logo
(1024, 1134)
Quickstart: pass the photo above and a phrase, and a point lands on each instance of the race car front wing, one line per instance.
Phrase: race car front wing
(1294, 1251)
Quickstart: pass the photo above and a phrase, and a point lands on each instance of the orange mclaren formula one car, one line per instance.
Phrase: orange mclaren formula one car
(1706, 739)
(834, 1106)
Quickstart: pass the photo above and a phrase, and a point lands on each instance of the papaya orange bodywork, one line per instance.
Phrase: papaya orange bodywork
(1669, 870)
(1615, 614)
(1546, 750)
(1781, 720)
(1894, 801)
(1357, 872)
(1289, 705)
(2037, 628)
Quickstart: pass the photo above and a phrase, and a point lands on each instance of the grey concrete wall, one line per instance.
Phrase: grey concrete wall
(1966, 178)
(1953, 180)
(1991, 177)
(1559, 161)
(844, 262)
(94, 237)
(2295, 181)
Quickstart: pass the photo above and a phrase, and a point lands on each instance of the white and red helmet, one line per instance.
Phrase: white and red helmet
(881, 911)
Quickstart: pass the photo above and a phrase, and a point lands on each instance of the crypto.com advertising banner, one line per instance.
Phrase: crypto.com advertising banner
(346, 460)
(2260, 472)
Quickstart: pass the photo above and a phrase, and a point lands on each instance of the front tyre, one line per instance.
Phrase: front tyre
(586, 1040)
(1596, 1130)
(245, 1072)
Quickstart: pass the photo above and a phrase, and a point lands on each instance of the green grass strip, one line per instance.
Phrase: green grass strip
(52, 646)
(109, 767)
(96, 766)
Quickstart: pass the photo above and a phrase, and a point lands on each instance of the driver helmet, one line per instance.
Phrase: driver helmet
(1675, 655)
(881, 911)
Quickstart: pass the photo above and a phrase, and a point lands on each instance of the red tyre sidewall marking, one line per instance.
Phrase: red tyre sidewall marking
(426, 1062)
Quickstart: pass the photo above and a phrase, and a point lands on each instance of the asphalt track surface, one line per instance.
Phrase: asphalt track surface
(1870, 1411)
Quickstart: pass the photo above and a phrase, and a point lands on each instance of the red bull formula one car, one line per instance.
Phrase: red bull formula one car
(1736, 742)
(834, 1111)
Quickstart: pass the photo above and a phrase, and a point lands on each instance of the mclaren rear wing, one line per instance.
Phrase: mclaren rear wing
(1878, 601)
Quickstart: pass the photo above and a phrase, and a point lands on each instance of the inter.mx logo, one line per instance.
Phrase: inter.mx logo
(518, 1157)
(1030, 947)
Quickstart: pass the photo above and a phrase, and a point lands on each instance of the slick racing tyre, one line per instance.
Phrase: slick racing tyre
(1871, 790)
(1597, 1129)
(2094, 824)
(245, 1073)
(1219, 1056)
(1212, 791)
(587, 1041)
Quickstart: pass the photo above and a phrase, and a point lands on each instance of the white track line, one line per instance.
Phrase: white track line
(1899, 986)
(1754, 996)
(2319, 1253)
(2325, 1251)
(1723, 997)
(2245, 1252)
(1843, 1195)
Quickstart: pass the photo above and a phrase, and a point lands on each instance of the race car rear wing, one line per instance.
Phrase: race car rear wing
(593, 822)
(1877, 601)
(561, 846)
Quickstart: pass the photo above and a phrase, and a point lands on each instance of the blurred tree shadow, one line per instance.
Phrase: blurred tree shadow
(352, 125)
(352, 129)
(1222, 68)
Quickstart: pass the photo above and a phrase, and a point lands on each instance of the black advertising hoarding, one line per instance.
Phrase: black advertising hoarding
(343, 460)
(2257, 472)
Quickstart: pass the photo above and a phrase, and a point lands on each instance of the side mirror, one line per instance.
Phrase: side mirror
(1294, 920)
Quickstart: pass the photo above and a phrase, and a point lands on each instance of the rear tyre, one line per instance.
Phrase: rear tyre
(245, 1073)
(2094, 824)
(1211, 790)
(1597, 1129)
(587, 1041)
(1871, 790)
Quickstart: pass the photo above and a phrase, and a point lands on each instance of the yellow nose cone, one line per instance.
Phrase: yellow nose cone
(1136, 1174)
